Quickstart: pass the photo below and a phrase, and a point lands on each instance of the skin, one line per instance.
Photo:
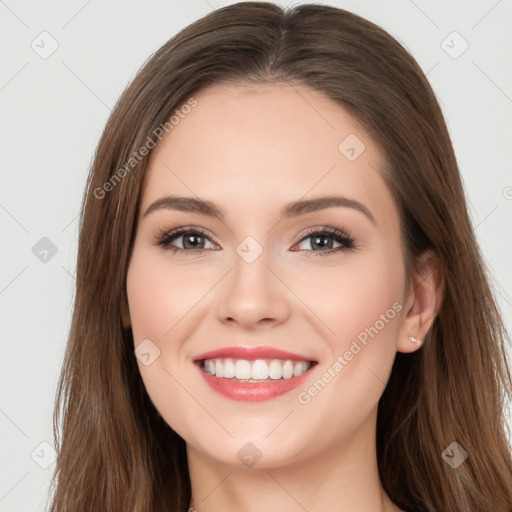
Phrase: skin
(251, 150)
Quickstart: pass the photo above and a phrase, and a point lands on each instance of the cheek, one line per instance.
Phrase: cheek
(158, 300)
(147, 306)
(159, 296)
(362, 309)
(360, 300)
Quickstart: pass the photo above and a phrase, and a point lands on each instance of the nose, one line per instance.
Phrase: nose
(253, 296)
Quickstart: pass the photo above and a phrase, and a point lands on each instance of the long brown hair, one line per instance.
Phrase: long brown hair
(115, 452)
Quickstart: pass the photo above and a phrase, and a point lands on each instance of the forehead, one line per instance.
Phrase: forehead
(264, 145)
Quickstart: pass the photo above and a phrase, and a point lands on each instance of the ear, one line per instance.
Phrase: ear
(423, 301)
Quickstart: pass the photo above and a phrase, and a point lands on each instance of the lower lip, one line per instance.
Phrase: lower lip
(253, 391)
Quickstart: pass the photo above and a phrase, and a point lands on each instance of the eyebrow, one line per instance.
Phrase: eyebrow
(294, 209)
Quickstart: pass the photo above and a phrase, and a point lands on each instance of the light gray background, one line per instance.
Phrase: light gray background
(52, 113)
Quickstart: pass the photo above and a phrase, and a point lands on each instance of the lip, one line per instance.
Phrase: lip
(252, 353)
(252, 391)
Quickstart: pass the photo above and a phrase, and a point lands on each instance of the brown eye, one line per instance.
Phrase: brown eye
(323, 242)
(184, 240)
(193, 241)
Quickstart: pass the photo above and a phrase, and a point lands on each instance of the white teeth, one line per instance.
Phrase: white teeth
(219, 369)
(288, 370)
(275, 371)
(242, 369)
(257, 370)
(300, 368)
(229, 368)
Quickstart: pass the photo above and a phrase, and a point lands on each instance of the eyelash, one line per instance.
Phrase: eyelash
(165, 238)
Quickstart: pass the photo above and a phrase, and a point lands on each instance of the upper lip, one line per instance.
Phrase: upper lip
(251, 353)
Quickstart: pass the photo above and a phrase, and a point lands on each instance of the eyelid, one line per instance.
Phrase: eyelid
(179, 231)
(321, 229)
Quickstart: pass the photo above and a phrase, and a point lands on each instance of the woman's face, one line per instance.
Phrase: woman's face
(323, 281)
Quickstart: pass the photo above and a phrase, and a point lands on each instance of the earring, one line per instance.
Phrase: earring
(414, 339)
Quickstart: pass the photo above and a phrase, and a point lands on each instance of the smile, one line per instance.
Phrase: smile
(253, 373)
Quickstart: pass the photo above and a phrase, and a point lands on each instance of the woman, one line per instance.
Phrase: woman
(214, 361)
